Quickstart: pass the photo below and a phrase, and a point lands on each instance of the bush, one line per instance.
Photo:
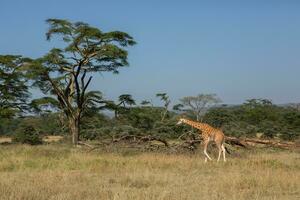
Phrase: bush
(96, 133)
(108, 132)
(27, 135)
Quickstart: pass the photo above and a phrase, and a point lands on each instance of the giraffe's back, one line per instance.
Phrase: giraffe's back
(218, 136)
(213, 134)
(208, 132)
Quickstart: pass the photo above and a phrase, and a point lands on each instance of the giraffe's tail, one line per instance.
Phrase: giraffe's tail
(226, 149)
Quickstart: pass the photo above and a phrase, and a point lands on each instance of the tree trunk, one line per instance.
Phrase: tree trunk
(197, 117)
(164, 115)
(74, 129)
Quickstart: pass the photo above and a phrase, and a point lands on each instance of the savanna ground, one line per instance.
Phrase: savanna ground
(58, 171)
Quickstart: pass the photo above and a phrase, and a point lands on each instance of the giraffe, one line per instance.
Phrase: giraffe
(208, 134)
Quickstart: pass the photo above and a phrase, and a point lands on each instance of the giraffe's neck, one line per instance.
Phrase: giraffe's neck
(197, 125)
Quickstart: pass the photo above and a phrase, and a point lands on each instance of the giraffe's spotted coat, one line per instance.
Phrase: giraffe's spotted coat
(208, 134)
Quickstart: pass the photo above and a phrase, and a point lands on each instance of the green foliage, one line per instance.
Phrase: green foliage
(219, 116)
(258, 110)
(240, 121)
(8, 126)
(167, 129)
(13, 85)
(256, 116)
(120, 107)
(126, 99)
(166, 100)
(45, 124)
(146, 103)
(44, 104)
(143, 118)
(135, 121)
(27, 135)
(49, 124)
(95, 126)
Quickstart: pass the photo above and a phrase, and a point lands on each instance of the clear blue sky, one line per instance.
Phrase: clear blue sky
(236, 49)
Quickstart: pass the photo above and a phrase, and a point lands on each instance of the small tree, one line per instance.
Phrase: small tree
(64, 72)
(197, 105)
(27, 134)
(166, 100)
(124, 100)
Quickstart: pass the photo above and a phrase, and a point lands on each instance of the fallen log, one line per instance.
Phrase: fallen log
(247, 142)
(235, 141)
(124, 137)
(191, 144)
(253, 141)
(153, 138)
(85, 144)
(140, 139)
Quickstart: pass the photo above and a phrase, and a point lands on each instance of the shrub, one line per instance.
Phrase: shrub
(27, 135)
(96, 133)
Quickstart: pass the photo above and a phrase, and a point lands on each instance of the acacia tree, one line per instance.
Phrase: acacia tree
(197, 104)
(13, 85)
(166, 100)
(65, 72)
(146, 103)
(123, 101)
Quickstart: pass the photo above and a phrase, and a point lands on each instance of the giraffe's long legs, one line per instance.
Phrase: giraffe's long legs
(223, 150)
(220, 150)
(205, 151)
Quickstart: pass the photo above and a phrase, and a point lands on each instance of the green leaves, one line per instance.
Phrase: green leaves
(64, 71)
(123, 38)
(59, 26)
(126, 99)
(165, 98)
(146, 103)
(13, 85)
(46, 104)
(95, 50)
(91, 98)
(258, 110)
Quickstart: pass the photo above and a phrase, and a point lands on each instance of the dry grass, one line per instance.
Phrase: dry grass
(4, 140)
(47, 139)
(59, 172)
(52, 138)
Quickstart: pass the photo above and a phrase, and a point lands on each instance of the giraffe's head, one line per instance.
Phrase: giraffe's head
(180, 121)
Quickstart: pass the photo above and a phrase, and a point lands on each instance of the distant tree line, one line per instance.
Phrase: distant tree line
(254, 118)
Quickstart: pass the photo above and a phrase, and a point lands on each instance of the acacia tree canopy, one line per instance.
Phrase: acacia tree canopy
(198, 105)
(13, 85)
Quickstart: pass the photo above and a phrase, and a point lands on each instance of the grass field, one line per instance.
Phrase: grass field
(60, 172)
